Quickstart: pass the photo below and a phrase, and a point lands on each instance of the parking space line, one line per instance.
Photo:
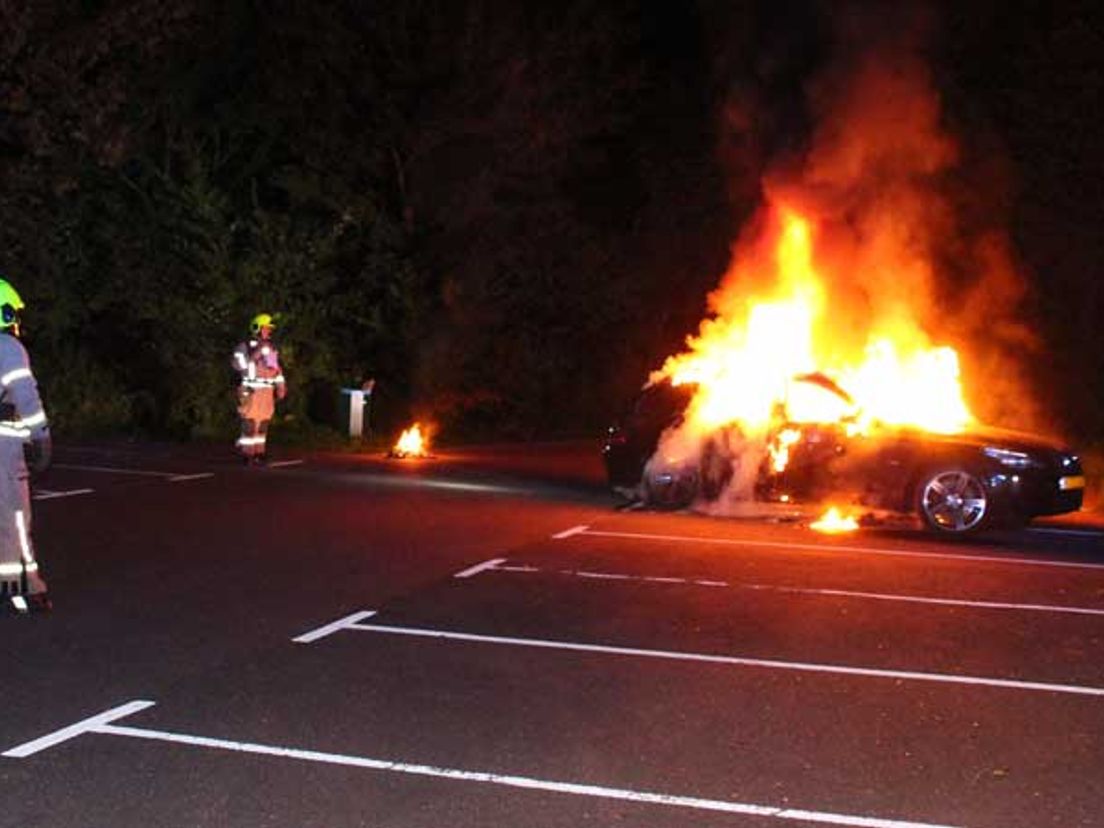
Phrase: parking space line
(45, 494)
(920, 599)
(102, 725)
(863, 550)
(1081, 533)
(500, 565)
(113, 470)
(574, 530)
(481, 567)
(89, 725)
(350, 623)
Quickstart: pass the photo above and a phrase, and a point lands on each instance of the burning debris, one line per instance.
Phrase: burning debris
(411, 443)
(833, 522)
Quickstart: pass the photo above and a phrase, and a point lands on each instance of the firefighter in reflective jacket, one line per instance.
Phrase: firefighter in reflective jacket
(24, 436)
(262, 383)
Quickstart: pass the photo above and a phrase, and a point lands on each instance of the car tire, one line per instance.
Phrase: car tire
(953, 501)
(670, 490)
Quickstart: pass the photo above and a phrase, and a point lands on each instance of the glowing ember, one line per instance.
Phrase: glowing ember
(833, 522)
(412, 443)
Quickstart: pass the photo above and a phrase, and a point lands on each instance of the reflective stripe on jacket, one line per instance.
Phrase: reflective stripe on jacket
(22, 416)
(258, 364)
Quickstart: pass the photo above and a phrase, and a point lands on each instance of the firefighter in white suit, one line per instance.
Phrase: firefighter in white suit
(24, 437)
(261, 383)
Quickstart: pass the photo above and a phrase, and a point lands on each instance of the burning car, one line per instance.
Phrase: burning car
(754, 410)
(958, 483)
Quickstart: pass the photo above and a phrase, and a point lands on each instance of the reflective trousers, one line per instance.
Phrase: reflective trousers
(253, 438)
(19, 572)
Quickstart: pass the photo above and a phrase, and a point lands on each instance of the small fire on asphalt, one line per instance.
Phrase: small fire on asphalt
(834, 522)
(412, 443)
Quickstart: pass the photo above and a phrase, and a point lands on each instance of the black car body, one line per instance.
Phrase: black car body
(957, 484)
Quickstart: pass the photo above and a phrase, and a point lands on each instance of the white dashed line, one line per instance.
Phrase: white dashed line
(605, 576)
(182, 477)
(43, 494)
(828, 548)
(500, 565)
(280, 463)
(102, 725)
(114, 470)
(1081, 533)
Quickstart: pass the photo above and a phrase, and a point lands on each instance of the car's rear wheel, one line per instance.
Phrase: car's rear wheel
(953, 501)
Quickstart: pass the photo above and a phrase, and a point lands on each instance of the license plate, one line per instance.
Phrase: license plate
(1076, 481)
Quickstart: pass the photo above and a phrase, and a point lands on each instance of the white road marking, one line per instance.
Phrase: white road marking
(102, 725)
(43, 494)
(864, 550)
(181, 477)
(114, 470)
(585, 574)
(481, 567)
(517, 568)
(461, 486)
(606, 576)
(419, 482)
(91, 724)
(1084, 533)
(350, 623)
(919, 599)
(574, 530)
(278, 463)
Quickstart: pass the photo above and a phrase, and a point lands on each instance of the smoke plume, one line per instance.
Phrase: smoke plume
(904, 241)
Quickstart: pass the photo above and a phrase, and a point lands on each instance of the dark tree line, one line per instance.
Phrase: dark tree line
(462, 200)
(506, 213)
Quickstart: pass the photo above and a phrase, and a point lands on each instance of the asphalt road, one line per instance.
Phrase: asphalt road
(482, 639)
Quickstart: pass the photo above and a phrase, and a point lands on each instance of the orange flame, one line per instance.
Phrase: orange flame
(752, 362)
(745, 362)
(411, 443)
(833, 522)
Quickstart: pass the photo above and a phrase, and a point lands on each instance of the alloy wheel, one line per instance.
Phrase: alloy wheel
(954, 501)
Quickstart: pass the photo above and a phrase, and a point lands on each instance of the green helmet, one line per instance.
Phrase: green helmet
(10, 305)
(262, 320)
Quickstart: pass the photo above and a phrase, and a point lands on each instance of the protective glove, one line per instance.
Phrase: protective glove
(39, 453)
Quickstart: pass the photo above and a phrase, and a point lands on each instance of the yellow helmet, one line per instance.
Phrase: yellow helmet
(262, 320)
(10, 305)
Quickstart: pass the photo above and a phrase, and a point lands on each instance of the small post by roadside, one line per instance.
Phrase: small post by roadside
(358, 408)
